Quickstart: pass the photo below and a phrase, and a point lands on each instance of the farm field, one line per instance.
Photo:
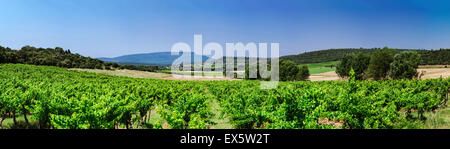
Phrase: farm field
(317, 68)
(428, 72)
(153, 75)
(323, 70)
(326, 76)
(204, 74)
(319, 72)
(57, 98)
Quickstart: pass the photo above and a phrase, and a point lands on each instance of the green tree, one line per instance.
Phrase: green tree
(379, 65)
(188, 111)
(405, 65)
(303, 74)
(358, 63)
(288, 70)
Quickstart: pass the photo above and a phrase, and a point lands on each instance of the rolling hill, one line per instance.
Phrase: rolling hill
(428, 57)
(159, 58)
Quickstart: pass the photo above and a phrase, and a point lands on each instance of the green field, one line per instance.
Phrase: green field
(64, 99)
(321, 67)
(313, 69)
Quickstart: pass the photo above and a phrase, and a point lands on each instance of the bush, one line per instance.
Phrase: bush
(405, 65)
(23, 125)
(288, 70)
(247, 73)
(303, 74)
(60, 58)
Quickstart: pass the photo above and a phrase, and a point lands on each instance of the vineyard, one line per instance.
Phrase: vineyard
(56, 98)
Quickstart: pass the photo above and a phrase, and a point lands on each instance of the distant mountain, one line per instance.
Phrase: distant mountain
(159, 58)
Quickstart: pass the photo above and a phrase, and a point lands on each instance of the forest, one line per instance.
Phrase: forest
(61, 58)
(428, 57)
(49, 97)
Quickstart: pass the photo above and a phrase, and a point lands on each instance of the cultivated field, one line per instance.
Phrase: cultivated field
(51, 97)
(429, 72)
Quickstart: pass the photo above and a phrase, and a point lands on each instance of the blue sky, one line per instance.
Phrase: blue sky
(108, 28)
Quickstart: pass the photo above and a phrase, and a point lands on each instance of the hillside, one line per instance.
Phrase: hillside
(50, 57)
(57, 98)
(60, 58)
(428, 57)
(159, 58)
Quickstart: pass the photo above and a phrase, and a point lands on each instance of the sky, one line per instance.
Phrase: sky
(110, 28)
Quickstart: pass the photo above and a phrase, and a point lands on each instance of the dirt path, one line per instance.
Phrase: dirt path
(326, 76)
(430, 73)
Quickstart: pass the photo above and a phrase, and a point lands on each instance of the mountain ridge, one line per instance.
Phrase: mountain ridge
(428, 57)
(156, 58)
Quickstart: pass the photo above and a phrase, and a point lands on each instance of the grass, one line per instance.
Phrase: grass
(9, 122)
(222, 122)
(321, 67)
(437, 120)
(155, 117)
(320, 70)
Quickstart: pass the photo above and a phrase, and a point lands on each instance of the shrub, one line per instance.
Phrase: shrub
(288, 70)
(405, 65)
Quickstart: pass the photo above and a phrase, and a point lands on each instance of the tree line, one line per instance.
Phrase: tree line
(61, 58)
(288, 71)
(380, 64)
(428, 57)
